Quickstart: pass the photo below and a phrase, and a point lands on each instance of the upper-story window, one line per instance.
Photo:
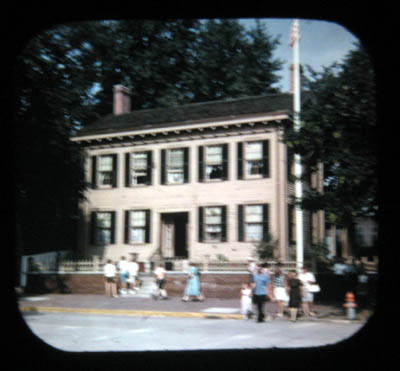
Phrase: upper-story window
(253, 159)
(138, 168)
(104, 171)
(213, 162)
(174, 166)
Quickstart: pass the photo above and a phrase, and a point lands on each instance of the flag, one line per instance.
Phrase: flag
(294, 33)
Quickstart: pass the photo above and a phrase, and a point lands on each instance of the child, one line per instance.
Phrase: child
(245, 301)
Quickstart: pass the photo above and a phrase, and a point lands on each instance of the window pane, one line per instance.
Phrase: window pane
(213, 215)
(254, 232)
(139, 160)
(214, 155)
(254, 213)
(254, 151)
(104, 220)
(175, 176)
(103, 236)
(254, 167)
(138, 218)
(175, 158)
(138, 234)
(106, 163)
(213, 172)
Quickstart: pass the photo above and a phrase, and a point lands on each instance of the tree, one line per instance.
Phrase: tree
(266, 249)
(339, 130)
(63, 81)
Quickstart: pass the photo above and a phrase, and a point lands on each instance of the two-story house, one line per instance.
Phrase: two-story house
(195, 181)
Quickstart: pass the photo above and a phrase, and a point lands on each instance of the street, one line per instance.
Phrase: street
(91, 332)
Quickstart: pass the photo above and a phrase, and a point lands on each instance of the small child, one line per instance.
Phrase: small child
(245, 301)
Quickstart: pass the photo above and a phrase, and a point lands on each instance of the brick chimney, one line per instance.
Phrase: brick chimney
(122, 99)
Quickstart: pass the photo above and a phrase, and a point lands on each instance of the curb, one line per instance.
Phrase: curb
(152, 313)
(131, 312)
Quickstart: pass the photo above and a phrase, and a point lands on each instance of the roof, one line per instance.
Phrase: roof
(190, 114)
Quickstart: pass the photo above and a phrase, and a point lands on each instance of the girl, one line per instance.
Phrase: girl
(246, 301)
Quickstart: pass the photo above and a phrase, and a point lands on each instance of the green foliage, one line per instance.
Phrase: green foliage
(265, 250)
(63, 81)
(339, 130)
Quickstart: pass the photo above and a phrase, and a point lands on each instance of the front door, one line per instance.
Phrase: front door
(174, 235)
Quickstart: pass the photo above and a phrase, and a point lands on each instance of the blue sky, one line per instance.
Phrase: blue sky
(321, 43)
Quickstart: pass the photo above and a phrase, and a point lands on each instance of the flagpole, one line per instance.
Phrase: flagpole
(294, 42)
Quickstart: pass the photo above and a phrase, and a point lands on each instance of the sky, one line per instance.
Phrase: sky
(321, 43)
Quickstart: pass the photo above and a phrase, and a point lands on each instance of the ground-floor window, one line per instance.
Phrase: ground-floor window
(137, 226)
(253, 222)
(212, 224)
(103, 226)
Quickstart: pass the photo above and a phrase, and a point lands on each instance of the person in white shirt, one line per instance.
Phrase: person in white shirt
(246, 301)
(307, 278)
(160, 274)
(123, 271)
(133, 270)
(110, 273)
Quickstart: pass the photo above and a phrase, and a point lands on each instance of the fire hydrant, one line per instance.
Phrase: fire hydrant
(350, 305)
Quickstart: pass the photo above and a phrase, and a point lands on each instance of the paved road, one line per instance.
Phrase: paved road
(89, 332)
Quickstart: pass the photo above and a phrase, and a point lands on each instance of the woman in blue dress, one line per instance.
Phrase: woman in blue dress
(192, 289)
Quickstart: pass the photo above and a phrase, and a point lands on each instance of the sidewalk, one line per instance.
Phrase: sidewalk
(173, 307)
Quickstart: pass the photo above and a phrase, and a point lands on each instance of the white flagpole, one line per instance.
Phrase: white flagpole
(294, 42)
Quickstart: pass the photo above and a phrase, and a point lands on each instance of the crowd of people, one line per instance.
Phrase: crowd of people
(291, 290)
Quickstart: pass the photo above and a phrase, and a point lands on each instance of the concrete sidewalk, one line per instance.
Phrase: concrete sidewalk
(173, 307)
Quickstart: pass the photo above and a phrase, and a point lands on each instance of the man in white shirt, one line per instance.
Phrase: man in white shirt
(160, 274)
(110, 272)
(307, 278)
(133, 270)
(123, 271)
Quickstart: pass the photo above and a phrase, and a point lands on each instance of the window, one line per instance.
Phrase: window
(253, 222)
(212, 224)
(138, 168)
(174, 166)
(103, 225)
(104, 171)
(137, 226)
(253, 159)
(213, 162)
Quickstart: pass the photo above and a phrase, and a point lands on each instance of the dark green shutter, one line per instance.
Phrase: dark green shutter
(201, 163)
(185, 165)
(147, 233)
(240, 160)
(163, 169)
(265, 221)
(200, 224)
(127, 170)
(113, 226)
(265, 159)
(240, 223)
(225, 162)
(115, 171)
(149, 169)
(223, 224)
(127, 226)
(93, 224)
(94, 172)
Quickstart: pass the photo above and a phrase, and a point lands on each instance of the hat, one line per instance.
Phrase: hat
(250, 258)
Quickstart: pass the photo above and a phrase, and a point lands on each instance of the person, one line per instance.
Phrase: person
(295, 291)
(110, 272)
(262, 291)
(192, 289)
(160, 275)
(307, 278)
(362, 288)
(279, 281)
(133, 269)
(123, 274)
(245, 301)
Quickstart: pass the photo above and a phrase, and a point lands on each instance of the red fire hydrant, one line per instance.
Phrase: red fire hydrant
(350, 305)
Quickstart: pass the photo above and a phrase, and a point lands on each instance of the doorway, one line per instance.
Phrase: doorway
(174, 236)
